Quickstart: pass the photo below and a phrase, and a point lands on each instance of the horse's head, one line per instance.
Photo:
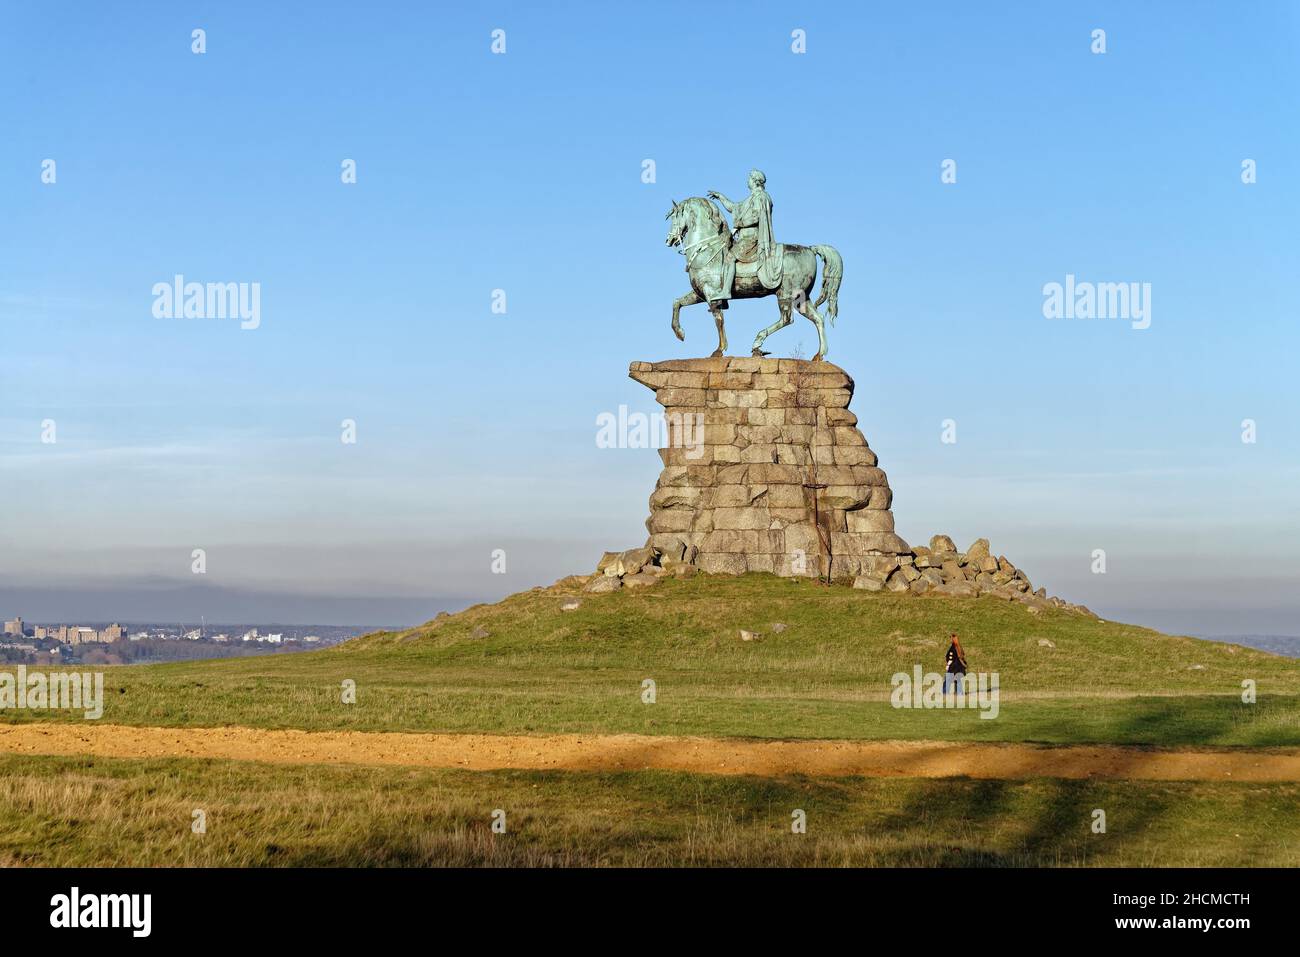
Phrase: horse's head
(678, 221)
(695, 213)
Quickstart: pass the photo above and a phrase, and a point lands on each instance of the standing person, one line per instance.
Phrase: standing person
(954, 666)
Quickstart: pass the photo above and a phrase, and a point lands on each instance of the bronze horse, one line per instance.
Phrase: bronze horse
(699, 228)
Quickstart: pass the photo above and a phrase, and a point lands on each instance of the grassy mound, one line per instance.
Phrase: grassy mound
(526, 665)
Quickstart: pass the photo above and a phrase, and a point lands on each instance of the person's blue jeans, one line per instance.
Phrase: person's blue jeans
(953, 678)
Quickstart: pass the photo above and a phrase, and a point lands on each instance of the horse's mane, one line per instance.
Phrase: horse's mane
(704, 204)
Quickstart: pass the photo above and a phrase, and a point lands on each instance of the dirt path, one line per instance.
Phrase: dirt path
(572, 752)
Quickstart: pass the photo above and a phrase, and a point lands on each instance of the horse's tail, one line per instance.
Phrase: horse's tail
(832, 273)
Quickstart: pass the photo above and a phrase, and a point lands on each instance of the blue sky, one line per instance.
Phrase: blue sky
(522, 172)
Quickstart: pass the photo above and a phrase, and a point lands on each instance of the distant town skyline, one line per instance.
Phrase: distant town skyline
(27, 642)
(130, 436)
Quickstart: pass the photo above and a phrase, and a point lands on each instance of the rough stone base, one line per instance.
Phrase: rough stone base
(757, 448)
(936, 571)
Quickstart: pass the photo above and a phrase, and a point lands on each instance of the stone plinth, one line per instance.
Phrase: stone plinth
(757, 448)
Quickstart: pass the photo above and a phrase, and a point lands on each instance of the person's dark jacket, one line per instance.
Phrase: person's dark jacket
(954, 662)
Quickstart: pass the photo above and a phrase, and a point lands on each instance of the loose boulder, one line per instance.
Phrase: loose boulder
(978, 551)
(635, 559)
(942, 543)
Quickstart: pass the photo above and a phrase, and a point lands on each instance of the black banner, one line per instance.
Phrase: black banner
(926, 907)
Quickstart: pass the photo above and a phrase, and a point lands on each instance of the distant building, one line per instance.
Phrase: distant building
(80, 635)
(311, 638)
(14, 627)
(272, 639)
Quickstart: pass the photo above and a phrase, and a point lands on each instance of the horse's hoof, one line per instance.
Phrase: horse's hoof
(758, 353)
(717, 354)
(681, 337)
(818, 357)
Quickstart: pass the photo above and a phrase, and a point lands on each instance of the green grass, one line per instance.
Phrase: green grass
(826, 676)
(80, 812)
(544, 670)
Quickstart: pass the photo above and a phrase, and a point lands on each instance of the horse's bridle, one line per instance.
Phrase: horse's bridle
(685, 250)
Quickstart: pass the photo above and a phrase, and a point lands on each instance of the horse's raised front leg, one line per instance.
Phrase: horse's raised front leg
(690, 299)
(814, 316)
(781, 323)
(722, 331)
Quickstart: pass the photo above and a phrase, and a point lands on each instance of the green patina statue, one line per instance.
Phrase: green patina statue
(749, 263)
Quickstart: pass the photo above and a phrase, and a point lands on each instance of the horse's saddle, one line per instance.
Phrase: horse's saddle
(768, 271)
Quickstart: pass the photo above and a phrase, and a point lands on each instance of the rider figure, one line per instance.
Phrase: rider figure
(753, 241)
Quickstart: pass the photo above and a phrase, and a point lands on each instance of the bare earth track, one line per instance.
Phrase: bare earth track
(627, 752)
